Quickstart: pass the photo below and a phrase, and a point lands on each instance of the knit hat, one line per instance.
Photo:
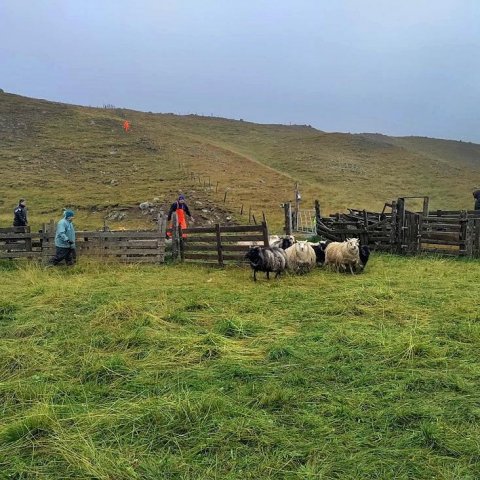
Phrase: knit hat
(181, 197)
(69, 213)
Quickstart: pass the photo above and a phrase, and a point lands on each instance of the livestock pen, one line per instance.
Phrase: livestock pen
(397, 229)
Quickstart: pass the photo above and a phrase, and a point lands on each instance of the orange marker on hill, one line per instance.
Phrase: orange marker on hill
(126, 126)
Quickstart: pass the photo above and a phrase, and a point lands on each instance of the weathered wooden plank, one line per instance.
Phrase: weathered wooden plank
(13, 247)
(213, 248)
(441, 221)
(434, 241)
(200, 256)
(19, 254)
(235, 257)
(241, 228)
(120, 243)
(15, 230)
(235, 248)
(16, 236)
(202, 239)
(152, 260)
(191, 230)
(242, 238)
(112, 251)
(190, 248)
(127, 234)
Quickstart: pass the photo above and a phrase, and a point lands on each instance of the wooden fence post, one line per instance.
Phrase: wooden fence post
(287, 227)
(463, 232)
(48, 240)
(400, 224)
(266, 241)
(162, 231)
(219, 244)
(476, 237)
(394, 227)
(28, 240)
(470, 240)
(181, 244)
(175, 242)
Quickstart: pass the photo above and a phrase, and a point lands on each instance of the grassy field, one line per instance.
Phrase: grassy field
(181, 372)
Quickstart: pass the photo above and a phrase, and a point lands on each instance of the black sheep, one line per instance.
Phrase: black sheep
(320, 252)
(364, 255)
(266, 259)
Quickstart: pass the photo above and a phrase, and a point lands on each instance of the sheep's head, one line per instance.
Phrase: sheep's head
(301, 246)
(287, 241)
(254, 254)
(352, 244)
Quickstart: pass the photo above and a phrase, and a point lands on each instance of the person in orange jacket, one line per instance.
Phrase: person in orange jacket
(181, 209)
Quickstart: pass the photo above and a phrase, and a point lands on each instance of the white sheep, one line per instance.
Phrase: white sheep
(343, 255)
(300, 257)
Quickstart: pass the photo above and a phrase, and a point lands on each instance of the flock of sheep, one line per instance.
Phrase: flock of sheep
(300, 257)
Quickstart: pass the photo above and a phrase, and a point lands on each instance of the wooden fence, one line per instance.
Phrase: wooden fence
(217, 245)
(399, 230)
(122, 246)
(20, 242)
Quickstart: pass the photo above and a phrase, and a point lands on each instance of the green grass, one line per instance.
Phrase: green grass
(182, 372)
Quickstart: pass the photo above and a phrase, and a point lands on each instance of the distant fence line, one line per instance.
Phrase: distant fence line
(398, 230)
(214, 186)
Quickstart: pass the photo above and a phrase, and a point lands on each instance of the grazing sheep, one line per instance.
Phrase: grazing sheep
(282, 242)
(300, 257)
(319, 249)
(364, 256)
(343, 255)
(266, 259)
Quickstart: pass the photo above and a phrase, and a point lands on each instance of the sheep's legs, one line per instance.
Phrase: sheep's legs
(268, 275)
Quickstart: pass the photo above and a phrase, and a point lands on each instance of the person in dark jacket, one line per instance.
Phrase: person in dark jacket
(181, 208)
(20, 214)
(476, 196)
(65, 241)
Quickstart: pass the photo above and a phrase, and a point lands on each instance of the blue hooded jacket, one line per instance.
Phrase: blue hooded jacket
(65, 232)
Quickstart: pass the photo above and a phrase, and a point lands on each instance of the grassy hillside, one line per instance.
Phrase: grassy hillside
(117, 372)
(61, 155)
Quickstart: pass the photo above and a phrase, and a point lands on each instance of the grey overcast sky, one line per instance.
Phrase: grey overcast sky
(399, 67)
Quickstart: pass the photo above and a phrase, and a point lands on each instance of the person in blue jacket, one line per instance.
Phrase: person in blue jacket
(65, 241)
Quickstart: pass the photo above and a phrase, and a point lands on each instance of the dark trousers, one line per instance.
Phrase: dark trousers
(67, 254)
